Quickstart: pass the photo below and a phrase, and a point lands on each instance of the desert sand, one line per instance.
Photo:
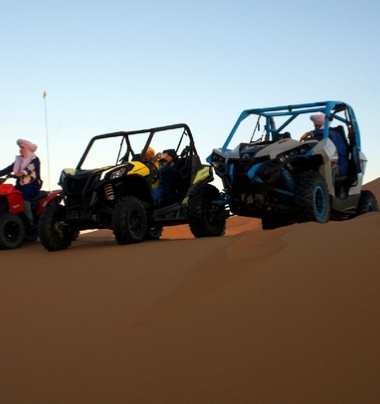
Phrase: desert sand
(284, 316)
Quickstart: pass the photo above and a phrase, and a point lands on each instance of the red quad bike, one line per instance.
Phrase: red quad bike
(14, 225)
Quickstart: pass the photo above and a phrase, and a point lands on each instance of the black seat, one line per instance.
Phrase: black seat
(41, 194)
(344, 182)
(354, 166)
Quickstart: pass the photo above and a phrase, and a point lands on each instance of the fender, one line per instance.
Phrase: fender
(52, 196)
(14, 198)
(139, 168)
(202, 174)
(131, 168)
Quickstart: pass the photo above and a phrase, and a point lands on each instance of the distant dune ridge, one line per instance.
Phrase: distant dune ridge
(283, 316)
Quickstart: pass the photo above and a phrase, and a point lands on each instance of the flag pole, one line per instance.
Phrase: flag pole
(47, 138)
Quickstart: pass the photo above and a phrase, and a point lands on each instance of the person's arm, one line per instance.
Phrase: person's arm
(164, 156)
(306, 135)
(313, 134)
(6, 170)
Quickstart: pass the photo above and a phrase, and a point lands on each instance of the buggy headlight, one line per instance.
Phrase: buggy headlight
(118, 173)
(298, 151)
(216, 160)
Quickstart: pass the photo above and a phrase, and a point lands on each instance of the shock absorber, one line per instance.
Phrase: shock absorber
(288, 179)
(109, 192)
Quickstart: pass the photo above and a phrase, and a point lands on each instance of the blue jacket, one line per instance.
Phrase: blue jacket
(341, 148)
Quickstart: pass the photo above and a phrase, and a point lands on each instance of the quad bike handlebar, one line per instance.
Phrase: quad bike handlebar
(3, 179)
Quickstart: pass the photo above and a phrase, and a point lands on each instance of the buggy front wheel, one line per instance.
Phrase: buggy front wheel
(206, 218)
(311, 198)
(129, 221)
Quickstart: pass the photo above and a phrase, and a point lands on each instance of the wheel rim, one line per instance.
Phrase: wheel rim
(213, 212)
(135, 222)
(12, 232)
(59, 228)
(319, 201)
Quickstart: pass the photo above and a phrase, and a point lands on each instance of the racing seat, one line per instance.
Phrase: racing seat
(344, 182)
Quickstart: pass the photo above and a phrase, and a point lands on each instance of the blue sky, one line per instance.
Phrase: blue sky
(123, 65)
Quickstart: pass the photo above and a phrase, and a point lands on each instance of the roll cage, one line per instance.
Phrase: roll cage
(291, 112)
(127, 151)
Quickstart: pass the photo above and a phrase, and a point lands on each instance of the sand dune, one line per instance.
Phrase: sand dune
(283, 316)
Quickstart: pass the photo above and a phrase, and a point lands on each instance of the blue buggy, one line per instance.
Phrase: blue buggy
(273, 175)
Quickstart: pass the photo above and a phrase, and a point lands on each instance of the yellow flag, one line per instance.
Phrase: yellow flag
(45, 94)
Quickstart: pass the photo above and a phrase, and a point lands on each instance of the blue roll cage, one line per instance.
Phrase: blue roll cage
(324, 107)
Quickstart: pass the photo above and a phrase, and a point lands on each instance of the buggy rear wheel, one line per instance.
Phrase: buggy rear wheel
(311, 198)
(153, 233)
(129, 221)
(54, 233)
(12, 231)
(367, 203)
(206, 219)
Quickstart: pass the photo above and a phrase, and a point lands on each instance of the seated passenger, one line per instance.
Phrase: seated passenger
(169, 173)
(151, 158)
(335, 137)
(166, 180)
